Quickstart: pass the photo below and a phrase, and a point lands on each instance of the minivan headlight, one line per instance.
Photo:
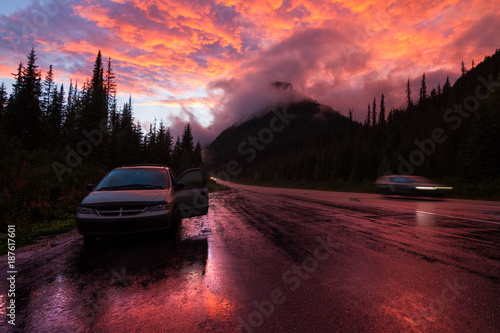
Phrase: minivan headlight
(158, 208)
(85, 210)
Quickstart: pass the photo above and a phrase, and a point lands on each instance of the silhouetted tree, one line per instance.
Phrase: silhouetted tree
(409, 101)
(197, 155)
(463, 69)
(447, 86)
(382, 110)
(423, 90)
(374, 112)
(368, 116)
(48, 86)
(23, 114)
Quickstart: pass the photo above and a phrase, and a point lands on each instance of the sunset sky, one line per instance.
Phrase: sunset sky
(210, 62)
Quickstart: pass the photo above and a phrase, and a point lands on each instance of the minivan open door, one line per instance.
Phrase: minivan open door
(191, 193)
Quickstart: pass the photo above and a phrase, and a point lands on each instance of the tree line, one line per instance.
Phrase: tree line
(54, 140)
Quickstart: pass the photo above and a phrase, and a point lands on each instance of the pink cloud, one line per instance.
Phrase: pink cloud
(224, 54)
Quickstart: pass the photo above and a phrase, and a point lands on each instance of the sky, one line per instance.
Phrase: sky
(211, 62)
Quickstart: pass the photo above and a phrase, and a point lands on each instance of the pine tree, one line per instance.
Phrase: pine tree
(409, 101)
(23, 114)
(55, 113)
(3, 107)
(3, 99)
(374, 112)
(197, 155)
(368, 116)
(110, 88)
(463, 69)
(382, 110)
(423, 90)
(95, 102)
(164, 144)
(447, 86)
(69, 126)
(48, 85)
(187, 140)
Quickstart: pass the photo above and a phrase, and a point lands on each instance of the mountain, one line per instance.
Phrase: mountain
(291, 131)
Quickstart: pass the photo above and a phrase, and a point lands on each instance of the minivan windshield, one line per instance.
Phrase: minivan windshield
(134, 179)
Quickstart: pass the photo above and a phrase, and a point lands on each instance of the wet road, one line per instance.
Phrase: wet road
(278, 260)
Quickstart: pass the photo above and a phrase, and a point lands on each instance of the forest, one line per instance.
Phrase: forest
(53, 142)
(450, 134)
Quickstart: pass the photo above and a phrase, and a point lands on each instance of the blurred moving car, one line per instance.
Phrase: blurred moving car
(134, 199)
(410, 185)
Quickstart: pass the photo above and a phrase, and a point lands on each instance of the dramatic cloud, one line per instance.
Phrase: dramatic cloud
(211, 62)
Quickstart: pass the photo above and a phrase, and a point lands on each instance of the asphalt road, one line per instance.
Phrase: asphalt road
(278, 260)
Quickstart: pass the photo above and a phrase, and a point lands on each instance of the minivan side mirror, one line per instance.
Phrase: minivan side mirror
(90, 187)
(178, 186)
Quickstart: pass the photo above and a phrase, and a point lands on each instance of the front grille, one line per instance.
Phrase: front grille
(117, 211)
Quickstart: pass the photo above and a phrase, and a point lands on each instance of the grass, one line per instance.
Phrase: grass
(31, 233)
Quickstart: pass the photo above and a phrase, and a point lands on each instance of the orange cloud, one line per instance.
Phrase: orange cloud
(338, 52)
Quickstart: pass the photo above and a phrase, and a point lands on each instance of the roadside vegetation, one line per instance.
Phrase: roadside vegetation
(54, 140)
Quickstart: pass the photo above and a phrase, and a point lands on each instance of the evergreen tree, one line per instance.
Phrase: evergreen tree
(374, 112)
(23, 114)
(187, 140)
(3, 99)
(382, 110)
(164, 145)
(3, 107)
(55, 112)
(48, 86)
(423, 90)
(95, 109)
(447, 86)
(197, 155)
(368, 116)
(110, 88)
(95, 112)
(409, 101)
(463, 70)
(69, 126)
(125, 138)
